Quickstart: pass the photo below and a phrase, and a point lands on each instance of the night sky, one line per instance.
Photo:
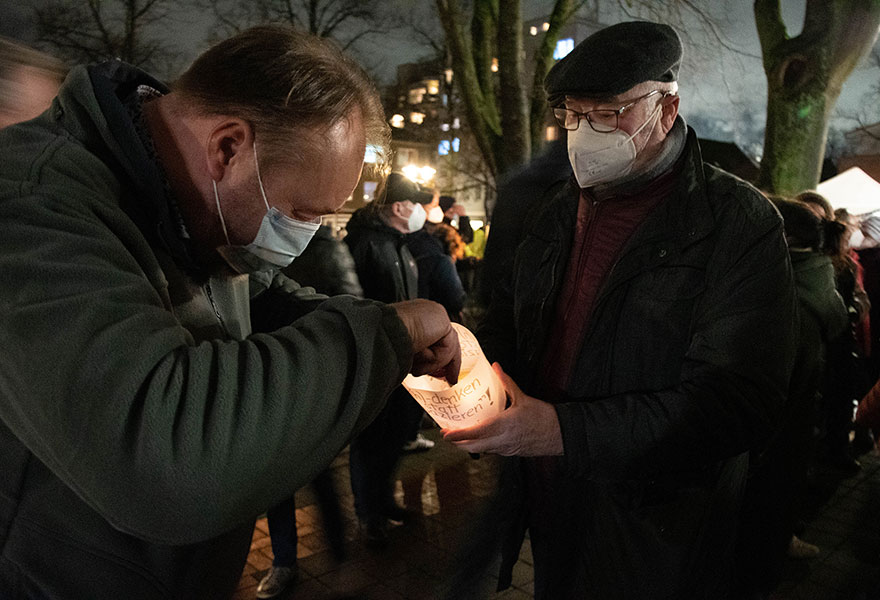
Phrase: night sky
(714, 82)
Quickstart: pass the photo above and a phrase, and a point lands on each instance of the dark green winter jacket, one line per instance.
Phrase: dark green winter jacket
(143, 423)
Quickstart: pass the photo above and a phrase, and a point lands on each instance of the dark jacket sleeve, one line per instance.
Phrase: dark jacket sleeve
(170, 440)
(733, 382)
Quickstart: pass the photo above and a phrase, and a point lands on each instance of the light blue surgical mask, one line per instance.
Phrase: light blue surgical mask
(279, 240)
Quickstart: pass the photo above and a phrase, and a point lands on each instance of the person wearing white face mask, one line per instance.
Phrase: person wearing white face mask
(377, 237)
(647, 326)
(163, 384)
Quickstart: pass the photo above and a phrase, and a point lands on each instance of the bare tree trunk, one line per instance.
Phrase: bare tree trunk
(501, 110)
(479, 106)
(515, 144)
(804, 78)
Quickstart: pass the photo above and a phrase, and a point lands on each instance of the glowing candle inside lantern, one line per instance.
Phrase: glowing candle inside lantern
(477, 396)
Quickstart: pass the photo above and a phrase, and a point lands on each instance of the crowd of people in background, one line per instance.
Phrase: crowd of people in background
(412, 242)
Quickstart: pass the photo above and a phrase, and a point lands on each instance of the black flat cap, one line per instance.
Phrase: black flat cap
(615, 59)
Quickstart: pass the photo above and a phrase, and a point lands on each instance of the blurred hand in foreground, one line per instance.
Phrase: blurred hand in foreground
(529, 427)
(436, 350)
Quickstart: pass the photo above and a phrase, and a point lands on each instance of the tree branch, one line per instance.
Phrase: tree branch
(562, 12)
(771, 30)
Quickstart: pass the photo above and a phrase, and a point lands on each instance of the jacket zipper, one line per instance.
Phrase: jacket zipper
(210, 296)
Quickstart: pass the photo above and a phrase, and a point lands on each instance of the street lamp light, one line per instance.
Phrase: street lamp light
(423, 174)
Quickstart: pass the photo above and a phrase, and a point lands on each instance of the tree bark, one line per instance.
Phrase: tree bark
(804, 78)
(515, 145)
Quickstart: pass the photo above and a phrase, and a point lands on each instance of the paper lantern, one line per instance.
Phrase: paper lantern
(478, 395)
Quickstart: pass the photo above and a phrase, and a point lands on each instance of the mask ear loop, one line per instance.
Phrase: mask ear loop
(658, 110)
(260, 179)
(220, 212)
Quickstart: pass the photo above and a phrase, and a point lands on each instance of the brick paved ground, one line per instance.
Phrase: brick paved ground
(446, 486)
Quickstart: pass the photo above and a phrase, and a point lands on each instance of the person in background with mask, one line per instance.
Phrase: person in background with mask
(646, 336)
(438, 279)
(377, 237)
(162, 383)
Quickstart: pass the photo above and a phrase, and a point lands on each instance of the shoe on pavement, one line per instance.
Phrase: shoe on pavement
(420, 444)
(798, 548)
(276, 581)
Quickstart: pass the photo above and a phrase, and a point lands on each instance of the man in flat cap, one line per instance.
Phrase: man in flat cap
(646, 328)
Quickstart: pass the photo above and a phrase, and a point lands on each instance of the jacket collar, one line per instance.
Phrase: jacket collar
(100, 90)
(685, 218)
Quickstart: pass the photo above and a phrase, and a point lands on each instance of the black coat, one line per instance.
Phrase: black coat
(326, 265)
(683, 369)
(386, 269)
(438, 279)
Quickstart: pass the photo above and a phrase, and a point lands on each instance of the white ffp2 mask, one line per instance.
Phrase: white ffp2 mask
(416, 219)
(602, 157)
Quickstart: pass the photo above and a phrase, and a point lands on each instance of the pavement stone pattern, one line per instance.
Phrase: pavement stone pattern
(445, 487)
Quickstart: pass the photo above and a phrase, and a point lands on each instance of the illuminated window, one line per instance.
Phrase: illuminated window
(494, 66)
(551, 133)
(456, 123)
(545, 26)
(448, 75)
(369, 190)
(444, 147)
(417, 118)
(416, 95)
(370, 155)
(397, 121)
(533, 30)
(444, 127)
(563, 47)
(456, 143)
(433, 86)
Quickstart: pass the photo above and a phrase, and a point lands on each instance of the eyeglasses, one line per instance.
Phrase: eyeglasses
(604, 120)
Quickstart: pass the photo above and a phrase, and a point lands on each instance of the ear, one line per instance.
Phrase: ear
(226, 146)
(669, 113)
(399, 209)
